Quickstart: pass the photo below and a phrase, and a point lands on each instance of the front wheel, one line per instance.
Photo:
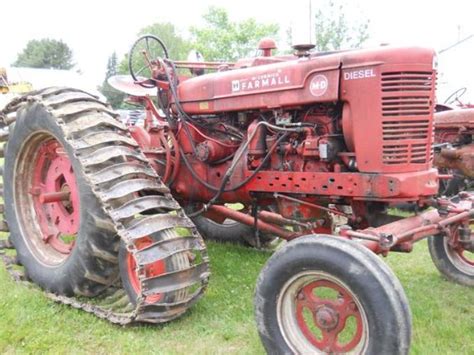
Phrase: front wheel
(323, 294)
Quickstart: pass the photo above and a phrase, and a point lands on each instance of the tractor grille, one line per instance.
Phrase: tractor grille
(406, 117)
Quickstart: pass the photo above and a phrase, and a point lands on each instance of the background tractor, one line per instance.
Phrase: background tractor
(314, 147)
(454, 151)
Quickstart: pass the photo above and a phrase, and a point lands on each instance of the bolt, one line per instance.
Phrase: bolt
(352, 306)
(191, 257)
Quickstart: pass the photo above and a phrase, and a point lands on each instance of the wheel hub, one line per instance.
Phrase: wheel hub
(326, 317)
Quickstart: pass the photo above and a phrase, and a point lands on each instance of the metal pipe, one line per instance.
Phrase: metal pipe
(409, 230)
(249, 220)
(199, 65)
(309, 204)
(275, 218)
(50, 197)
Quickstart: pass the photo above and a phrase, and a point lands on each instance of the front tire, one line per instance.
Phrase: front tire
(323, 294)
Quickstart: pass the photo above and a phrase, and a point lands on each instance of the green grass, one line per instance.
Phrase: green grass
(222, 322)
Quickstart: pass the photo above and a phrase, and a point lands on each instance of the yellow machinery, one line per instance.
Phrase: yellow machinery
(12, 87)
(3, 81)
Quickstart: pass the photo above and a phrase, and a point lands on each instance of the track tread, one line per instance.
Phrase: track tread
(100, 146)
(143, 204)
(130, 186)
(119, 171)
(102, 155)
(102, 137)
(93, 121)
(157, 223)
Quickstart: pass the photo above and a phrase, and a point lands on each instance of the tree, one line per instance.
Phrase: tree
(334, 31)
(45, 53)
(114, 97)
(222, 39)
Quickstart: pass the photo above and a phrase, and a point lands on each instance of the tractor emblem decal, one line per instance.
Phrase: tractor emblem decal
(262, 81)
(319, 85)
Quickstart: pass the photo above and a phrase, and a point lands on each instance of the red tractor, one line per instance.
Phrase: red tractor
(454, 149)
(314, 147)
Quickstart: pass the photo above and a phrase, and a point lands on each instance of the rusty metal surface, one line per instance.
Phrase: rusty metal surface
(461, 119)
(461, 159)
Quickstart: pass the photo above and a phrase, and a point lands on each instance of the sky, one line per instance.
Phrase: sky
(94, 29)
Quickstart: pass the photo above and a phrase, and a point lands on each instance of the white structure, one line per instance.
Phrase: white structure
(456, 70)
(42, 78)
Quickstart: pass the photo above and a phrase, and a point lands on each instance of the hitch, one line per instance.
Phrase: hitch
(444, 219)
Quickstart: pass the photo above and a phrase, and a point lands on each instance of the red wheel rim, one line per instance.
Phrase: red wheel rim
(46, 198)
(329, 316)
(55, 197)
(317, 312)
(456, 250)
(466, 256)
(151, 270)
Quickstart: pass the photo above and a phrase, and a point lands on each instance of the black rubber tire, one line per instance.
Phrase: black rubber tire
(93, 263)
(380, 293)
(229, 232)
(440, 254)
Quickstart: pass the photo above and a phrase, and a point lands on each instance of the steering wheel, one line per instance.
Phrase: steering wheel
(143, 58)
(455, 96)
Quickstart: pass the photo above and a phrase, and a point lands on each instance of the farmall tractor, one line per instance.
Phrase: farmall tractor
(314, 147)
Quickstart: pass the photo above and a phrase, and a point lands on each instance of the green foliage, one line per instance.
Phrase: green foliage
(222, 39)
(45, 53)
(334, 31)
(114, 97)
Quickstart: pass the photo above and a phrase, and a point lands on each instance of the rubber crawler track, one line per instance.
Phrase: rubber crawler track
(97, 137)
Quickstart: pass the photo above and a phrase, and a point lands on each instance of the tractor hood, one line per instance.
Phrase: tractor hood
(293, 82)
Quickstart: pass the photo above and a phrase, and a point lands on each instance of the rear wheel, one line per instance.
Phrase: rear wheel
(131, 273)
(52, 211)
(322, 294)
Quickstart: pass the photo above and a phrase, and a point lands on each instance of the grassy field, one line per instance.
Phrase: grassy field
(222, 322)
